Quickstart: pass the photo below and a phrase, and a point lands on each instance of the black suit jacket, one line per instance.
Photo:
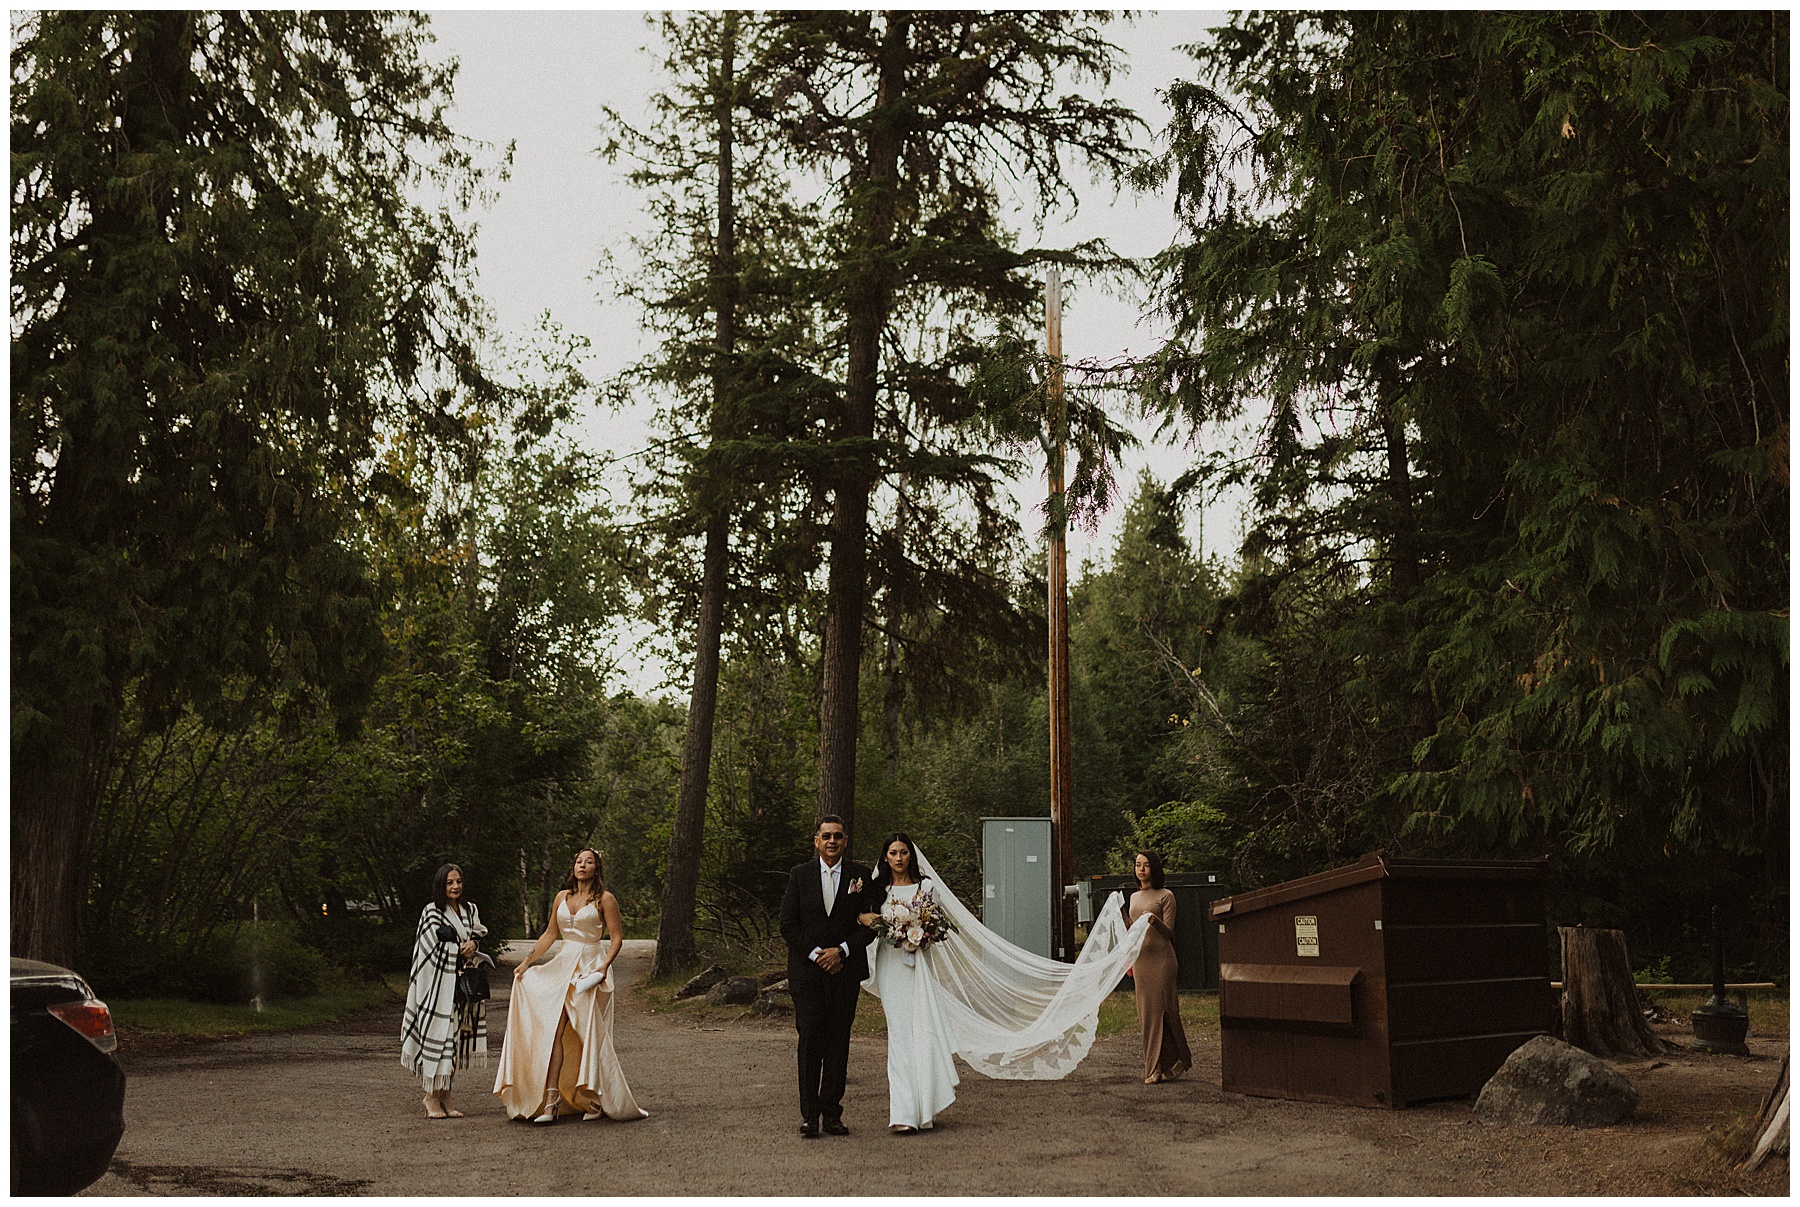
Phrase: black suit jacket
(805, 924)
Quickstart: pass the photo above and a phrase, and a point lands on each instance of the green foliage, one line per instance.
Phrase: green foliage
(478, 747)
(1513, 290)
(905, 121)
(497, 579)
(220, 300)
(266, 960)
(634, 762)
(740, 421)
(760, 808)
(309, 599)
(1137, 627)
(217, 299)
(992, 761)
(274, 963)
(361, 945)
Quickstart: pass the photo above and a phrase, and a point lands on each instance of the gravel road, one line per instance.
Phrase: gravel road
(329, 1110)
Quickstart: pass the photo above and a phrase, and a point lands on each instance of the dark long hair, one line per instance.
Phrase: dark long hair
(884, 875)
(438, 896)
(571, 884)
(1156, 868)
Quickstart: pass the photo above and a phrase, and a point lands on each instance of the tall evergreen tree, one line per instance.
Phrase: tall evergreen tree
(912, 117)
(221, 288)
(719, 284)
(1515, 290)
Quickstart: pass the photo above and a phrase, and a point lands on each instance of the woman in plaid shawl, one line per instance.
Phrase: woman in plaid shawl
(438, 1037)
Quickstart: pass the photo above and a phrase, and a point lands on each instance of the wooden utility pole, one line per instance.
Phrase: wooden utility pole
(1062, 796)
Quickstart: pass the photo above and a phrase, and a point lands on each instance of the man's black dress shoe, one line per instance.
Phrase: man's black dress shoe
(836, 1127)
(809, 1129)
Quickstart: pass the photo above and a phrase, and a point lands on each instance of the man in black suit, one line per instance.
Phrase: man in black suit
(828, 960)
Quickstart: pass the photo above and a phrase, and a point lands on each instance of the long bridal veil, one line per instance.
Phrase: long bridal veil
(1015, 1014)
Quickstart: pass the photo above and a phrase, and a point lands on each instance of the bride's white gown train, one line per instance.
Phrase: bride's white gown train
(1007, 1012)
(922, 1077)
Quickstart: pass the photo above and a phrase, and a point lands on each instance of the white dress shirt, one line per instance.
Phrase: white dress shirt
(828, 890)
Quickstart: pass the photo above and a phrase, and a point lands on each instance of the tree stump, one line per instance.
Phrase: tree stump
(1600, 1008)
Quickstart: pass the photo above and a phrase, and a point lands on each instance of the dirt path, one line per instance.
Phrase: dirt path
(330, 1111)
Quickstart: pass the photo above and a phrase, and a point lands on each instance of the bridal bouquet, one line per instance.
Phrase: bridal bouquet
(913, 925)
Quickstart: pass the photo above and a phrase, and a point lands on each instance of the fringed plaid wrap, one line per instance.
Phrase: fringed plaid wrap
(436, 1038)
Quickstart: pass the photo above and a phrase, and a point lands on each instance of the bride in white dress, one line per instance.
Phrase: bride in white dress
(922, 1076)
(1007, 1012)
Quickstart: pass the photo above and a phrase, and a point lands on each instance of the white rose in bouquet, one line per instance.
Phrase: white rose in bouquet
(915, 935)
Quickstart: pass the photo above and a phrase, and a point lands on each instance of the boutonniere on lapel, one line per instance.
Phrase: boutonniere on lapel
(856, 886)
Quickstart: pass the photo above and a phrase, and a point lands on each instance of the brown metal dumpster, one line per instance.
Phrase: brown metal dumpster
(1383, 983)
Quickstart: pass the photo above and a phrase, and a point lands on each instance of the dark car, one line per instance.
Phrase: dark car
(68, 1091)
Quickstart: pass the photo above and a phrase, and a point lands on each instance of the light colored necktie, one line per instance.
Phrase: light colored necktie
(831, 875)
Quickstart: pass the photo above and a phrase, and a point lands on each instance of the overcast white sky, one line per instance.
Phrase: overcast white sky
(540, 79)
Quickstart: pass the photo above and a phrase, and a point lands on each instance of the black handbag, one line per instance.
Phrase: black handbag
(471, 984)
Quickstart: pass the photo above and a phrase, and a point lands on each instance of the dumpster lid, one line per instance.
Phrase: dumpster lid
(1287, 974)
(1374, 866)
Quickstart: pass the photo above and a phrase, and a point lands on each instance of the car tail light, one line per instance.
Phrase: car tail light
(90, 1019)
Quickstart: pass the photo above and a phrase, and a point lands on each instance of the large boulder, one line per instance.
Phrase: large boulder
(733, 991)
(701, 982)
(1549, 1082)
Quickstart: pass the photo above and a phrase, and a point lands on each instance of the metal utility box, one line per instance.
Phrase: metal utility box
(1015, 880)
(1196, 934)
(1384, 983)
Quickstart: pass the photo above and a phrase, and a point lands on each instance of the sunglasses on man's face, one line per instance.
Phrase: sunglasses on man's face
(831, 838)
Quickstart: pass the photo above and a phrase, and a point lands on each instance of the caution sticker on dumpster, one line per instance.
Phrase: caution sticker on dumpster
(1306, 934)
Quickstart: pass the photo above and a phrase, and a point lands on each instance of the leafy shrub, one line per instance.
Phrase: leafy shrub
(271, 961)
(363, 945)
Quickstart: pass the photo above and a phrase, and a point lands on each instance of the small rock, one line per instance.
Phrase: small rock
(733, 991)
(1549, 1082)
(775, 1000)
(701, 983)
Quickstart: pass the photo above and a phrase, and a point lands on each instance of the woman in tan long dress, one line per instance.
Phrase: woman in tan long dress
(559, 1057)
(1166, 1053)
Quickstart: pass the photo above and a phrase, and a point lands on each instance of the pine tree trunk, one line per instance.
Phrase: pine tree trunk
(675, 947)
(893, 692)
(1600, 1008)
(52, 803)
(1404, 541)
(870, 293)
(839, 682)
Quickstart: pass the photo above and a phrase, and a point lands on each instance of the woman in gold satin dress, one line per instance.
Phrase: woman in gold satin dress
(1166, 1052)
(558, 1058)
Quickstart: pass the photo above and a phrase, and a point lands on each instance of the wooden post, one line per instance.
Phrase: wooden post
(1062, 837)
